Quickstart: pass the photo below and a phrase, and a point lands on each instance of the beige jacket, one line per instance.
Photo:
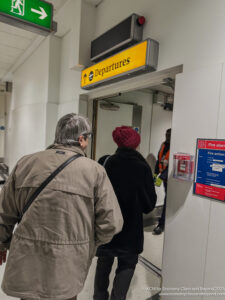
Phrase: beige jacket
(53, 246)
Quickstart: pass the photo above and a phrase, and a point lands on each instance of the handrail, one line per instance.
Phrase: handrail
(150, 266)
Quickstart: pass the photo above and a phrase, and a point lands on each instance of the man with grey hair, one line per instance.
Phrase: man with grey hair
(53, 245)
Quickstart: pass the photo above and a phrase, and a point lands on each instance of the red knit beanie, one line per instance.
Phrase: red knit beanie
(125, 136)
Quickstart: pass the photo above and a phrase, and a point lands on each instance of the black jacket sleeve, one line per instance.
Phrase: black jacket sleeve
(147, 192)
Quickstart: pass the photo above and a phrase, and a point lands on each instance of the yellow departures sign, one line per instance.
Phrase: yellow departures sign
(115, 66)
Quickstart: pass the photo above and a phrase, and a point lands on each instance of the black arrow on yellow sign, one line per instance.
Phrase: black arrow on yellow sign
(85, 77)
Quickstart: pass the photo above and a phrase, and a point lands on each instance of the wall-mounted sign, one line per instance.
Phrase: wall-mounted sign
(137, 59)
(33, 15)
(210, 169)
(183, 166)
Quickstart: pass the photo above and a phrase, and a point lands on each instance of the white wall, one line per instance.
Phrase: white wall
(8, 98)
(33, 109)
(193, 240)
(2, 123)
(69, 80)
(144, 99)
(189, 32)
(106, 123)
(53, 89)
(76, 25)
(77, 17)
(26, 124)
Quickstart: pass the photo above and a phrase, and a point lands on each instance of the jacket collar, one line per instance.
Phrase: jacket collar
(129, 153)
(75, 149)
(124, 150)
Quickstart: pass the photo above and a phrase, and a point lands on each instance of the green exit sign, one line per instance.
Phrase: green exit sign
(34, 15)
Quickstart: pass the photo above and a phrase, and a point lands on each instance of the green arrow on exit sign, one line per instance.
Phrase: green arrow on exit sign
(36, 13)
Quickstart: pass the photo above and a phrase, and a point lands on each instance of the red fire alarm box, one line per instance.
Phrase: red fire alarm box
(183, 166)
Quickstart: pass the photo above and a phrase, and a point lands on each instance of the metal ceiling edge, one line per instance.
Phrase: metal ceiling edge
(144, 81)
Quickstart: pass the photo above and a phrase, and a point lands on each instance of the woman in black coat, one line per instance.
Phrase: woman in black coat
(132, 180)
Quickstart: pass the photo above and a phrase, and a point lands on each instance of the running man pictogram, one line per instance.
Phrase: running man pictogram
(18, 7)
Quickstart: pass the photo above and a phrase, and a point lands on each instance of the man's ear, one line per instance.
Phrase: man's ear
(80, 139)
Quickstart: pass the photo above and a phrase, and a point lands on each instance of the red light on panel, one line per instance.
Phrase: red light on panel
(141, 20)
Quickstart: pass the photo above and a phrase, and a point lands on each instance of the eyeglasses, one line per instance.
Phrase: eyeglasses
(88, 135)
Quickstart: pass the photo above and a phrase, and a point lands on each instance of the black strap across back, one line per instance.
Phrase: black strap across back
(46, 182)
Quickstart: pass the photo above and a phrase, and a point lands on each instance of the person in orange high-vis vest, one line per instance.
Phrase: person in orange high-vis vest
(161, 174)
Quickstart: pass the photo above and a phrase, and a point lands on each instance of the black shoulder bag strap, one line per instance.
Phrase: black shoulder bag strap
(46, 182)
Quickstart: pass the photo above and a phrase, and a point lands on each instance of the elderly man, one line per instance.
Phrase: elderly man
(53, 245)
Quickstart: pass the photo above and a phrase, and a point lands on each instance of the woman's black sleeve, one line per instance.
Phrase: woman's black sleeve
(147, 194)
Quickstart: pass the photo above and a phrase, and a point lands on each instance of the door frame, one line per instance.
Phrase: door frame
(135, 83)
(137, 114)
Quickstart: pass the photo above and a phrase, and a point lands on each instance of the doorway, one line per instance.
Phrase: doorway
(148, 111)
(148, 108)
(109, 114)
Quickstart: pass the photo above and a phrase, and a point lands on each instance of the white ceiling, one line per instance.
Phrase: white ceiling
(14, 42)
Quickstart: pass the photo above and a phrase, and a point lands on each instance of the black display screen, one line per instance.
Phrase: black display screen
(114, 36)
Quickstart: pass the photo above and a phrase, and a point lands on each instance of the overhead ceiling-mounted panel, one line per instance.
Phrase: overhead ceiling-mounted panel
(126, 33)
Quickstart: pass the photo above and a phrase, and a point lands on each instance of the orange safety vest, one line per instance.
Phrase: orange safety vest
(163, 159)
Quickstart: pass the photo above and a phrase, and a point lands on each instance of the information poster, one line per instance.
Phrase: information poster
(210, 169)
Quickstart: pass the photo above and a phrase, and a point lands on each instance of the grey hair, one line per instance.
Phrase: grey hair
(70, 127)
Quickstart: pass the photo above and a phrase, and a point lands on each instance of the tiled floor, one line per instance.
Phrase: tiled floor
(3, 296)
(138, 290)
(142, 279)
(153, 247)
